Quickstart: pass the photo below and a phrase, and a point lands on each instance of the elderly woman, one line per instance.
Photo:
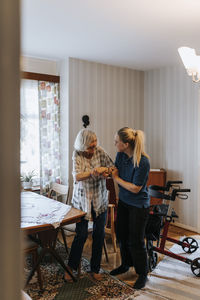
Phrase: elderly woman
(91, 166)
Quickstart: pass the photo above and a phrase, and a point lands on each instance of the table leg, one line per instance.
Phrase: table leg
(42, 254)
(47, 242)
(59, 259)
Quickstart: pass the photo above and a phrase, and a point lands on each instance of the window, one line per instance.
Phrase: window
(40, 129)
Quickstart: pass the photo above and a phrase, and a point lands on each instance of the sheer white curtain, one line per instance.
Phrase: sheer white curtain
(30, 139)
(198, 181)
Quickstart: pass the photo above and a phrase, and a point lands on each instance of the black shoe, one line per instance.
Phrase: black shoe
(140, 282)
(120, 270)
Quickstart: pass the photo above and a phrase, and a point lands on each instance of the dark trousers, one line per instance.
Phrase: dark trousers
(130, 230)
(97, 243)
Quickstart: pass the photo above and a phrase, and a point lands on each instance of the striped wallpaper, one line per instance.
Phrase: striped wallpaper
(111, 96)
(171, 123)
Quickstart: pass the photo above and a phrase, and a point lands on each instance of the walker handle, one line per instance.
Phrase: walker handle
(183, 190)
(177, 191)
(174, 181)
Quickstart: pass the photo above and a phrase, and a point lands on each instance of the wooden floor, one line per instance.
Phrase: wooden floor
(114, 258)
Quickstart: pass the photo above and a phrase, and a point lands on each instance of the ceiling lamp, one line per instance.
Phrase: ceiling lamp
(191, 62)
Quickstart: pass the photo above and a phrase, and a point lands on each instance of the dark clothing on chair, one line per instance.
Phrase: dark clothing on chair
(131, 223)
(97, 244)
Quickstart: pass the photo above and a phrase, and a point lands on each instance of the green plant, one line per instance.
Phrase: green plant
(28, 177)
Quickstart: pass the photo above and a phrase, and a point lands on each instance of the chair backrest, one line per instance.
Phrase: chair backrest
(25, 296)
(57, 190)
(112, 192)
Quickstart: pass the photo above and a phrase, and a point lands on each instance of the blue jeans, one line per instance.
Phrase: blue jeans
(81, 237)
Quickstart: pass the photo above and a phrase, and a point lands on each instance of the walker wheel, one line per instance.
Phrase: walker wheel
(191, 246)
(153, 259)
(195, 266)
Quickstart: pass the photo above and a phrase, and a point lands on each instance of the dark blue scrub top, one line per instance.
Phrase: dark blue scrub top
(136, 175)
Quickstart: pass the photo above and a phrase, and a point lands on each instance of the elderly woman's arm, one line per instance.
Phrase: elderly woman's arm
(85, 175)
(94, 172)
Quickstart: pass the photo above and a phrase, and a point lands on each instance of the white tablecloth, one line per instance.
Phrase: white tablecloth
(37, 210)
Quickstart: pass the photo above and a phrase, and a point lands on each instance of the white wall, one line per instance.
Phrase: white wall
(38, 65)
(198, 182)
(111, 96)
(64, 119)
(171, 118)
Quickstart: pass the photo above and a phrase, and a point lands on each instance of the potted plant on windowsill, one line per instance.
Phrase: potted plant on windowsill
(27, 180)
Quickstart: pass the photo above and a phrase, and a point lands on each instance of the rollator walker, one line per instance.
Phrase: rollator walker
(160, 217)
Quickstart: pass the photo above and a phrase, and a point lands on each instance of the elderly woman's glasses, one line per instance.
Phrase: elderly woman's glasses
(91, 147)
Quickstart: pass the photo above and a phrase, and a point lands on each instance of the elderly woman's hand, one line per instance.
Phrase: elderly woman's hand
(106, 173)
(98, 171)
(94, 172)
(102, 170)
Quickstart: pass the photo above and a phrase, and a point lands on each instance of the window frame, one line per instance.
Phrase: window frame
(40, 77)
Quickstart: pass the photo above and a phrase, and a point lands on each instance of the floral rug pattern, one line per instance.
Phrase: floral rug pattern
(85, 288)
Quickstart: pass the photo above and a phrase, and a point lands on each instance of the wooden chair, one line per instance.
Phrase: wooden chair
(30, 247)
(25, 296)
(58, 192)
(112, 212)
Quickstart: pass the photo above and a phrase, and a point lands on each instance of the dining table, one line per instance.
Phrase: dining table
(41, 219)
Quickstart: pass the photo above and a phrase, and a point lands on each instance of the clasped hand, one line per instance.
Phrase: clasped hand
(104, 171)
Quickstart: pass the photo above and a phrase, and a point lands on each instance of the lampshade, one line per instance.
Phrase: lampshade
(191, 62)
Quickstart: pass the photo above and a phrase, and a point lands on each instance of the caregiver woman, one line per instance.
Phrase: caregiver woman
(131, 174)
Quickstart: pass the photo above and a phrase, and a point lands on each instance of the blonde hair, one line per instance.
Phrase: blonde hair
(136, 140)
(83, 139)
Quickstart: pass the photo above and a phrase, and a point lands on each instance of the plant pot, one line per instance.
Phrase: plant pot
(27, 185)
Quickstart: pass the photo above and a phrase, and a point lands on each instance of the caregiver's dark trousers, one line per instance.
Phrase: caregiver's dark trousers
(130, 231)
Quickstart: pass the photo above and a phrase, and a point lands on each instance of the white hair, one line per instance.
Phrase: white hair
(83, 139)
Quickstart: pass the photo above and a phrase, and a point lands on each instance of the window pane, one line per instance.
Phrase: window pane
(30, 142)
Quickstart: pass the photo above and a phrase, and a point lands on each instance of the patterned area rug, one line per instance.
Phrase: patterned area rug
(171, 280)
(85, 287)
